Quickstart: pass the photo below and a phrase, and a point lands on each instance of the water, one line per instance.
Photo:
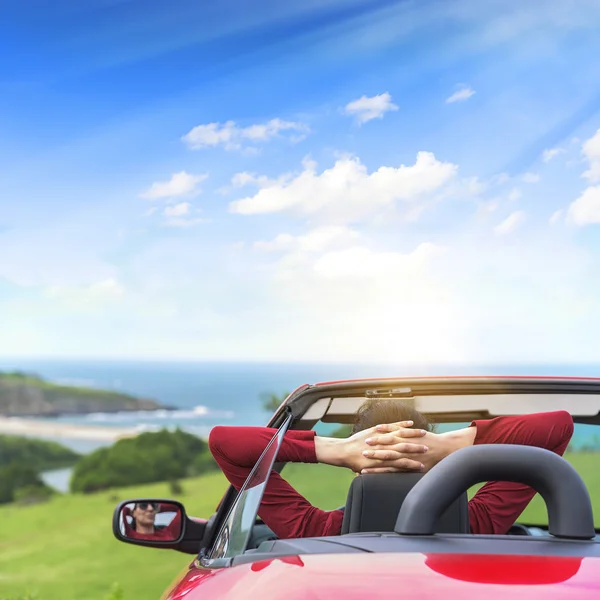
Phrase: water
(207, 394)
(58, 479)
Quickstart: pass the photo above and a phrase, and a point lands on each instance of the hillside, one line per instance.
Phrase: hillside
(71, 538)
(38, 454)
(26, 395)
(22, 460)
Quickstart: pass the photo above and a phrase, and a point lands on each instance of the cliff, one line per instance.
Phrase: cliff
(29, 395)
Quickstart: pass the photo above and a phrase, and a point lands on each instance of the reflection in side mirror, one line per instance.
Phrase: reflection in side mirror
(151, 520)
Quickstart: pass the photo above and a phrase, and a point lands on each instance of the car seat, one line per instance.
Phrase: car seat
(374, 501)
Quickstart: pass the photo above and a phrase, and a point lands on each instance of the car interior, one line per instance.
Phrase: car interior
(382, 510)
(405, 522)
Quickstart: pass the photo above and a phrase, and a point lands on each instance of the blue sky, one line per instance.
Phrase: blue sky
(318, 180)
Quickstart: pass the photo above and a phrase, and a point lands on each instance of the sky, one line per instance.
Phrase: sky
(327, 180)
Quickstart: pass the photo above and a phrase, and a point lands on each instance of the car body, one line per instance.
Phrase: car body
(544, 563)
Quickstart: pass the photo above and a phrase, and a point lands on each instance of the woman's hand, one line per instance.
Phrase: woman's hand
(350, 452)
(388, 444)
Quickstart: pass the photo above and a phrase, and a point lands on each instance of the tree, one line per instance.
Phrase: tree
(39, 454)
(271, 401)
(150, 457)
(18, 476)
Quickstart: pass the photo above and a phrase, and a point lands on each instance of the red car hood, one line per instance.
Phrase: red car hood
(390, 576)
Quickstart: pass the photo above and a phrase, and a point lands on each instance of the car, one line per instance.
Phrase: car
(425, 549)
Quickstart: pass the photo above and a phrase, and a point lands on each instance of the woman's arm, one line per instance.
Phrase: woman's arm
(284, 510)
(498, 504)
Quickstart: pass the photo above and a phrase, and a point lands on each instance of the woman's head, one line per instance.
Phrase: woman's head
(381, 411)
(144, 514)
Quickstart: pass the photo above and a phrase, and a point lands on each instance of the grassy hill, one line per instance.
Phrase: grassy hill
(65, 550)
(21, 461)
(38, 454)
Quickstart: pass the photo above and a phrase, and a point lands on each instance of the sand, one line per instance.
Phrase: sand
(56, 429)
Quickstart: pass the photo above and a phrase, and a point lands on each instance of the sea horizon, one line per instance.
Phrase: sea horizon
(209, 393)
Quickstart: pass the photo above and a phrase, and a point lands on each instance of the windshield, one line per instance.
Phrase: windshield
(235, 532)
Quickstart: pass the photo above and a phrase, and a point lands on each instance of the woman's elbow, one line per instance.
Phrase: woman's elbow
(562, 431)
(217, 439)
(566, 425)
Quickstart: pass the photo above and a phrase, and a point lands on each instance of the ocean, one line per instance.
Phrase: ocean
(206, 394)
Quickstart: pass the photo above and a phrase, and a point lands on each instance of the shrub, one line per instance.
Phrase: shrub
(148, 458)
(33, 494)
(175, 488)
(39, 454)
(15, 477)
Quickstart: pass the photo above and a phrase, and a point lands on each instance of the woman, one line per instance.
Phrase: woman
(404, 442)
(142, 526)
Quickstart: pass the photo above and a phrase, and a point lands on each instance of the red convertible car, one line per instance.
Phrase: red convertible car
(405, 535)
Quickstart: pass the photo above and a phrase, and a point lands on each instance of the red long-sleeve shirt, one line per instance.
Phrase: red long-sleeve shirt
(493, 509)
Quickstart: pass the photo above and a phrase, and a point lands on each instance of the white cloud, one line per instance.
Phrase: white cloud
(460, 95)
(90, 296)
(531, 177)
(150, 211)
(510, 223)
(551, 153)
(347, 191)
(485, 209)
(361, 262)
(360, 300)
(243, 179)
(180, 184)
(500, 179)
(556, 216)
(586, 209)
(514, 195)
(181, 215)
(231, 137)
(183, 222)
(473, 186)
(178, 210)
(315, 240)
(591, 151)
(366, 108)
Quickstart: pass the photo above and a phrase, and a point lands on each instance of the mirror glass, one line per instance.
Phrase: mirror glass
(151, 520)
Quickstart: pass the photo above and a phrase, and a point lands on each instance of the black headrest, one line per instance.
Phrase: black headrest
(374, 501)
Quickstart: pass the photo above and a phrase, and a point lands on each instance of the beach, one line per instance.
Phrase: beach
(58, 430)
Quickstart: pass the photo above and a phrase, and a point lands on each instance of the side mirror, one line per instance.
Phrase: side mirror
(157, 523)
(149, 522)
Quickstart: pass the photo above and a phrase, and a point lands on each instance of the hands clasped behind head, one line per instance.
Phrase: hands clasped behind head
(394, 447)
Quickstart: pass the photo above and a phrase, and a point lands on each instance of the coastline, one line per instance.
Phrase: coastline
(41, 428)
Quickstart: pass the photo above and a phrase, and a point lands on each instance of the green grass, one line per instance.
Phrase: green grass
(587, 465)
(65, 549)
